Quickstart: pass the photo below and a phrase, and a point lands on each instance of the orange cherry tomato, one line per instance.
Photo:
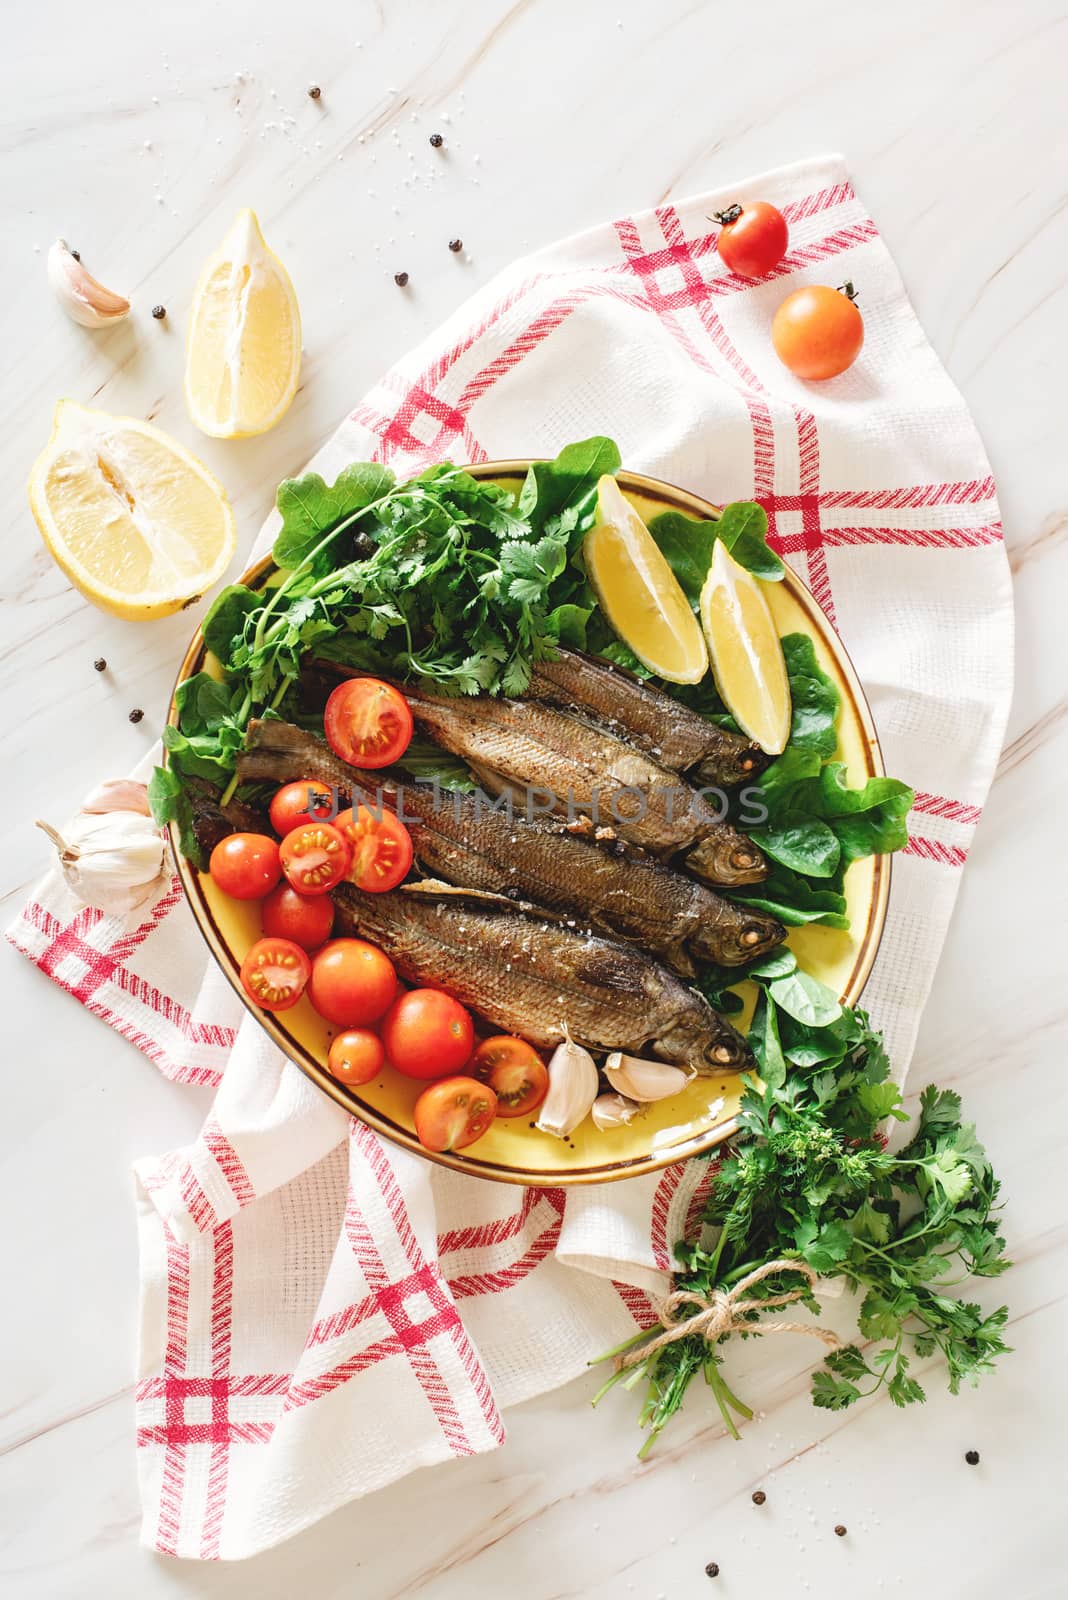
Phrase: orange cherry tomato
(427, 1034)
(818, 331)
(245, 865)
(356, 1056)
(452, 1114)
(315, 857)
(381, 848)
(514, 1071)
(753, 238)
(274, 974)
(306, 919)
(306, 801)
(368, 723)
(352, 982)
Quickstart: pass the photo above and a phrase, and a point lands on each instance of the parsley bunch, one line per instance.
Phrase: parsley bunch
(810, 1177)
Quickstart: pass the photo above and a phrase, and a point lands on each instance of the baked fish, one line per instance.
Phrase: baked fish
(470, 842)
(636, 711)
(530, 974)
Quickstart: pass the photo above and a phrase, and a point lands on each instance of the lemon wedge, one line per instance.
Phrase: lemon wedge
(639, 593)
(747, 660)
(242, 360)
(137, 524)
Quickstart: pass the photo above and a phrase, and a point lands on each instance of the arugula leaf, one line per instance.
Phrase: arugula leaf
(687, 544)
(310, 508)
(566, 488)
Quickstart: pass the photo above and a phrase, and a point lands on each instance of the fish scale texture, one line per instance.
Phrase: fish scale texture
(410, 1305)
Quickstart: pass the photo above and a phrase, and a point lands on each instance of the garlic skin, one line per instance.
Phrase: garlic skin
(85, 301)
(113, 862)
(644, 1081)
(573, 1087)
(613, 1111)
(117, 794)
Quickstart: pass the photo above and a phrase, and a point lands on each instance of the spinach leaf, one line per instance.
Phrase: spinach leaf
(804, 843)
(224, 624)
(558, 495)
(687, 544)
(743, 528)
(814, 698)
(805, 999)
(790, 897)
(169, 803)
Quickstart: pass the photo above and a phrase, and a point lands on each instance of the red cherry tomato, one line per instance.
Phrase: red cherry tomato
(452, 1114)
(306, 801)
(245, 865)
(368, 723)
(514, 1071)
(315, 857)
(381, 848)
(352, 982)
(306, 919)
(753, 238)
(427, 1034)
(818, 331)
(356, 1056)
(274, 974)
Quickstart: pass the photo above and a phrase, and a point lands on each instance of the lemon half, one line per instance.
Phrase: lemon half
(747, 660)
(242, 362)
(639, 593)
(138, 524)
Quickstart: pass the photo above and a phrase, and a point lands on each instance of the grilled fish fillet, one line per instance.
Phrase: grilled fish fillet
(533, 976)
(464, 839)
(636, 711)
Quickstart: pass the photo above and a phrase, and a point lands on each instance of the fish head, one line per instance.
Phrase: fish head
(752, 935)
(727, 858)
(707, 1050)
(727, 768)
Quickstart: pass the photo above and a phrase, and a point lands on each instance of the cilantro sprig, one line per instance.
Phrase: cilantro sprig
(810, 1177)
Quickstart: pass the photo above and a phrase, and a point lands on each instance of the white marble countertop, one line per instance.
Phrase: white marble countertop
(136, 133)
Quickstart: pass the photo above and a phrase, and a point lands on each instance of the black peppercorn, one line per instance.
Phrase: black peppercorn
(436, 140)
(76, 254)
(841, 1530)
(100, 665)
(314, 91)
(456, 245)
(400, 279)
(136, 714)
(712, 1570)
(759, 1497)
(159, 312)
(972, 1457)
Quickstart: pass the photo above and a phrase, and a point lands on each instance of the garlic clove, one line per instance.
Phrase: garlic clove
(644, 1080)
(573, 1087)
(117, 794)
(613, 1111)
(83, 299)
(113, 862)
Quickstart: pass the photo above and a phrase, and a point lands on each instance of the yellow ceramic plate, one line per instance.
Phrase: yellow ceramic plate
(703, 1114)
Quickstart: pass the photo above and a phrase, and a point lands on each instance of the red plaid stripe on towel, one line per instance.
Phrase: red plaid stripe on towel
(322, 1312)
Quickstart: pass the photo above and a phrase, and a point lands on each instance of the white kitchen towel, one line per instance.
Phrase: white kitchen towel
(323, 1312)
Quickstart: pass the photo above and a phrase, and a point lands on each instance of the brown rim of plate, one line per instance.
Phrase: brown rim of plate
(682, 500)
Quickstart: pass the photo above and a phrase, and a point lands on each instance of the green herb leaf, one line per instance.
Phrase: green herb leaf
(310, 508)
(800, 842)
(224, 624)
(568, 484)
(805, 999)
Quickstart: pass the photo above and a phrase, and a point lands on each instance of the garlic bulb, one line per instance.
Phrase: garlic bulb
(83, 299)
(644, 1080)
(113, 862)
(573, 1086)
(118, 794)
(613, 1111)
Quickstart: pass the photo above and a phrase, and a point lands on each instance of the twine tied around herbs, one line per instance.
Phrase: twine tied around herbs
(726, 1311)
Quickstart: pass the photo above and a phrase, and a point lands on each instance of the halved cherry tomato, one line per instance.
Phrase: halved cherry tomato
(315, 857)
(306, 801)
(245, 865)
(381, 848)
(514, 1071)
(352, 982)
(452, 1114)
(356, 1056)
(427, 1034)
(274, 974)
(818, 331)
(306, 919)
(753, 238)
(368, 723)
